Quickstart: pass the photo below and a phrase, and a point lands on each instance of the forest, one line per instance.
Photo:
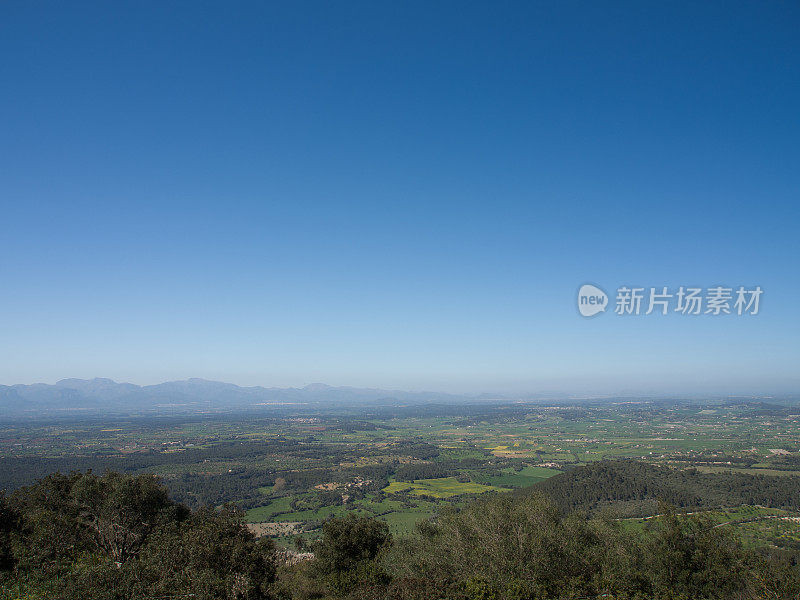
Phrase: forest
(119, 536)
(633, 488)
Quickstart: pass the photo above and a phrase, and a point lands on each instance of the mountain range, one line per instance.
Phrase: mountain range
(105, 395)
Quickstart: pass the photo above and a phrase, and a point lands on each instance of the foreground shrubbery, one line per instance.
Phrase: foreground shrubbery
(120, 537)
(523, 549)
(508, 548)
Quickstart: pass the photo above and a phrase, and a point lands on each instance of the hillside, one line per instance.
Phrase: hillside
(120, 537)
(631, 488)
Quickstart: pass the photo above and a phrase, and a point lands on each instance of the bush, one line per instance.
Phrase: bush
(119, 537)
(348, 541)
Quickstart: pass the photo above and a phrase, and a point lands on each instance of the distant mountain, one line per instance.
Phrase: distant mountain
(101, 395)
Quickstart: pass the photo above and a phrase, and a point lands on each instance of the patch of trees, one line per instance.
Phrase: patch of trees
(523, 548)
(121, 537)
(353, 425)
(637, 487)
(377, 475)
(415, 449)
(765, 409)
(421, 471)
(197, 488)
(349, 562)
(448, 468)
(738, 461)
(18, 471)
(786, 463)
(242, 487)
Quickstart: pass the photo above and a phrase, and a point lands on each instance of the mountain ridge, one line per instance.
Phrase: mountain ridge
(106, 395)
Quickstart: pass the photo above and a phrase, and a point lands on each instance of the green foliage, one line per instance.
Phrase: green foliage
(119, 537)
(64, 518)
(634, 488)
(300, 582)
(523, 548)
(211, 555)
(364, 574)
(9, 522)
(503, 544)
(346, 555)
(693, 558)
(348, 541)
(121, 511)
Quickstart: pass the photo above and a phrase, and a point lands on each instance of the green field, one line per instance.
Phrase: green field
(517, 478)
(401, 523)
(445, 487)
(403, 464)
(266, 513)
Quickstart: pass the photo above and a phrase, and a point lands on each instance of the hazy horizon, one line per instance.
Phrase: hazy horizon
(588, 390)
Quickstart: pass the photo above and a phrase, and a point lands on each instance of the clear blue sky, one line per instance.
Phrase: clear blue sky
(397, 194)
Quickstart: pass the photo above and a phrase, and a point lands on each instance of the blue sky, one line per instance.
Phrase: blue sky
(398, 195)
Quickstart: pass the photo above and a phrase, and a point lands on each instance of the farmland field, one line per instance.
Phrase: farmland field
(403, 464)
(445, 487)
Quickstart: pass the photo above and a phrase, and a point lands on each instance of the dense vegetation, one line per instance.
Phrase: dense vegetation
(118, 536)
(121, 537)
(441, 504)
(524, 548)
(632, 488)
(402, 464)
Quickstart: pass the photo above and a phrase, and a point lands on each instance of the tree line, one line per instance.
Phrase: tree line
(632, 488)
(121, 537)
